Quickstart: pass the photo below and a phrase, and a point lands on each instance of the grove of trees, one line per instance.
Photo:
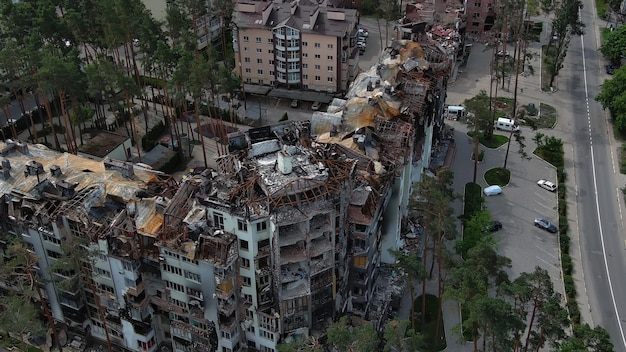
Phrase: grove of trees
(72, 54)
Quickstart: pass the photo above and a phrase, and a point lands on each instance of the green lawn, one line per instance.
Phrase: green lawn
(498, 176)
(430, 320)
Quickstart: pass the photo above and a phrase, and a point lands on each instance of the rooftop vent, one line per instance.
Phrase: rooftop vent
(5, 170)
(55, 170)
(126, 169)
(21, 147)
(33, 168)
(10, 145)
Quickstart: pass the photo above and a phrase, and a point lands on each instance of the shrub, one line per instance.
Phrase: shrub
(567, 264)
(570, 287)
(151, 138)
(176, 163)
(473, 199)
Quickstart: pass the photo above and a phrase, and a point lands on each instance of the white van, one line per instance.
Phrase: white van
(505, 124)
(455, 112)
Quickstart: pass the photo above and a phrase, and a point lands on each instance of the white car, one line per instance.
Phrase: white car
(550, 186)
(363, 32)
(492, 190)
(316, 105)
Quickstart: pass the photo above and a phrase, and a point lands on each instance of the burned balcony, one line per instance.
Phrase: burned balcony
(142, 328)
(294, 289)
(320, 224)
(264, 248)
(320, 246)
(226, 306)
(293, 272)
(195, 294)
(294, 322)
(228, 323)
(321, 262)
(290, 234)
(225, 289)
(293, 253)
(322, 280)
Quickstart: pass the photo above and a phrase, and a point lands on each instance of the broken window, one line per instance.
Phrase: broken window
(261, 226)
(218, 220)
(242, 225)
(243, 245)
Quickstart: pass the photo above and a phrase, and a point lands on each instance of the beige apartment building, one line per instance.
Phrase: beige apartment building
(296, 45)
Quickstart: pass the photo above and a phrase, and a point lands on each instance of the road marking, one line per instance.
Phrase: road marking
(595, 188)
(546, 252)
(619, 205)
(552, 265)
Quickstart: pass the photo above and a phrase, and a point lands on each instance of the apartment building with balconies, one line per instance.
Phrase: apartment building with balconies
(295, 44)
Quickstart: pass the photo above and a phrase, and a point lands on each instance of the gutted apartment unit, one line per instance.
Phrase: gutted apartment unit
(299, 44)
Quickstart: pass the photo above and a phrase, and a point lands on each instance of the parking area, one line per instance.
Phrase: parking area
(521, 201)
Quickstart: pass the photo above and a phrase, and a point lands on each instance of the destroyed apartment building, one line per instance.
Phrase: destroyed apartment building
(285, 235)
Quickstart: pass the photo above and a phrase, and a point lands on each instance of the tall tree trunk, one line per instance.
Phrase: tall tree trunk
(475, 331)
(7, 113)
(530, 324)
(440, 288)
(425, 255)
(132, 124)
(47, 313)
(197, 114)
(49, 112)
(32, 123)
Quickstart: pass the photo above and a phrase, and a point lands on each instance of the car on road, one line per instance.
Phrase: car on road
(363, 32)
(495, 226)
(492, 190)
(532, 109)
(545, 225)
(545, 184)
(295, 103)
(610, 69)
(316, 105)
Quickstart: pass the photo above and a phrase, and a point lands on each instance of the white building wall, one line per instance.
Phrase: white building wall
(34, 238)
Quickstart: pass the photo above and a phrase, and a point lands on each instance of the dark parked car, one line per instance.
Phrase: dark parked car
(495, 226)
(532, 109)
(545, 225)
(610, 69)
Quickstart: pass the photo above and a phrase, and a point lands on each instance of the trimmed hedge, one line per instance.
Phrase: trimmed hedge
(552, 151)
(473, 200)
(151, 138)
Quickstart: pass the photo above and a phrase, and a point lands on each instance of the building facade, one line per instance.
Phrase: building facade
(296, 45)
(290, 231)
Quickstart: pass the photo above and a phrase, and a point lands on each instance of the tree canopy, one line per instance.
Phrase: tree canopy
(614, 45)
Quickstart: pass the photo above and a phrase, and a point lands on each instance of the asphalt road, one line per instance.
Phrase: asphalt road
(599, 201)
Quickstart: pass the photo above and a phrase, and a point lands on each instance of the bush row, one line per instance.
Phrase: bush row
(151, 138)
(557, 158)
